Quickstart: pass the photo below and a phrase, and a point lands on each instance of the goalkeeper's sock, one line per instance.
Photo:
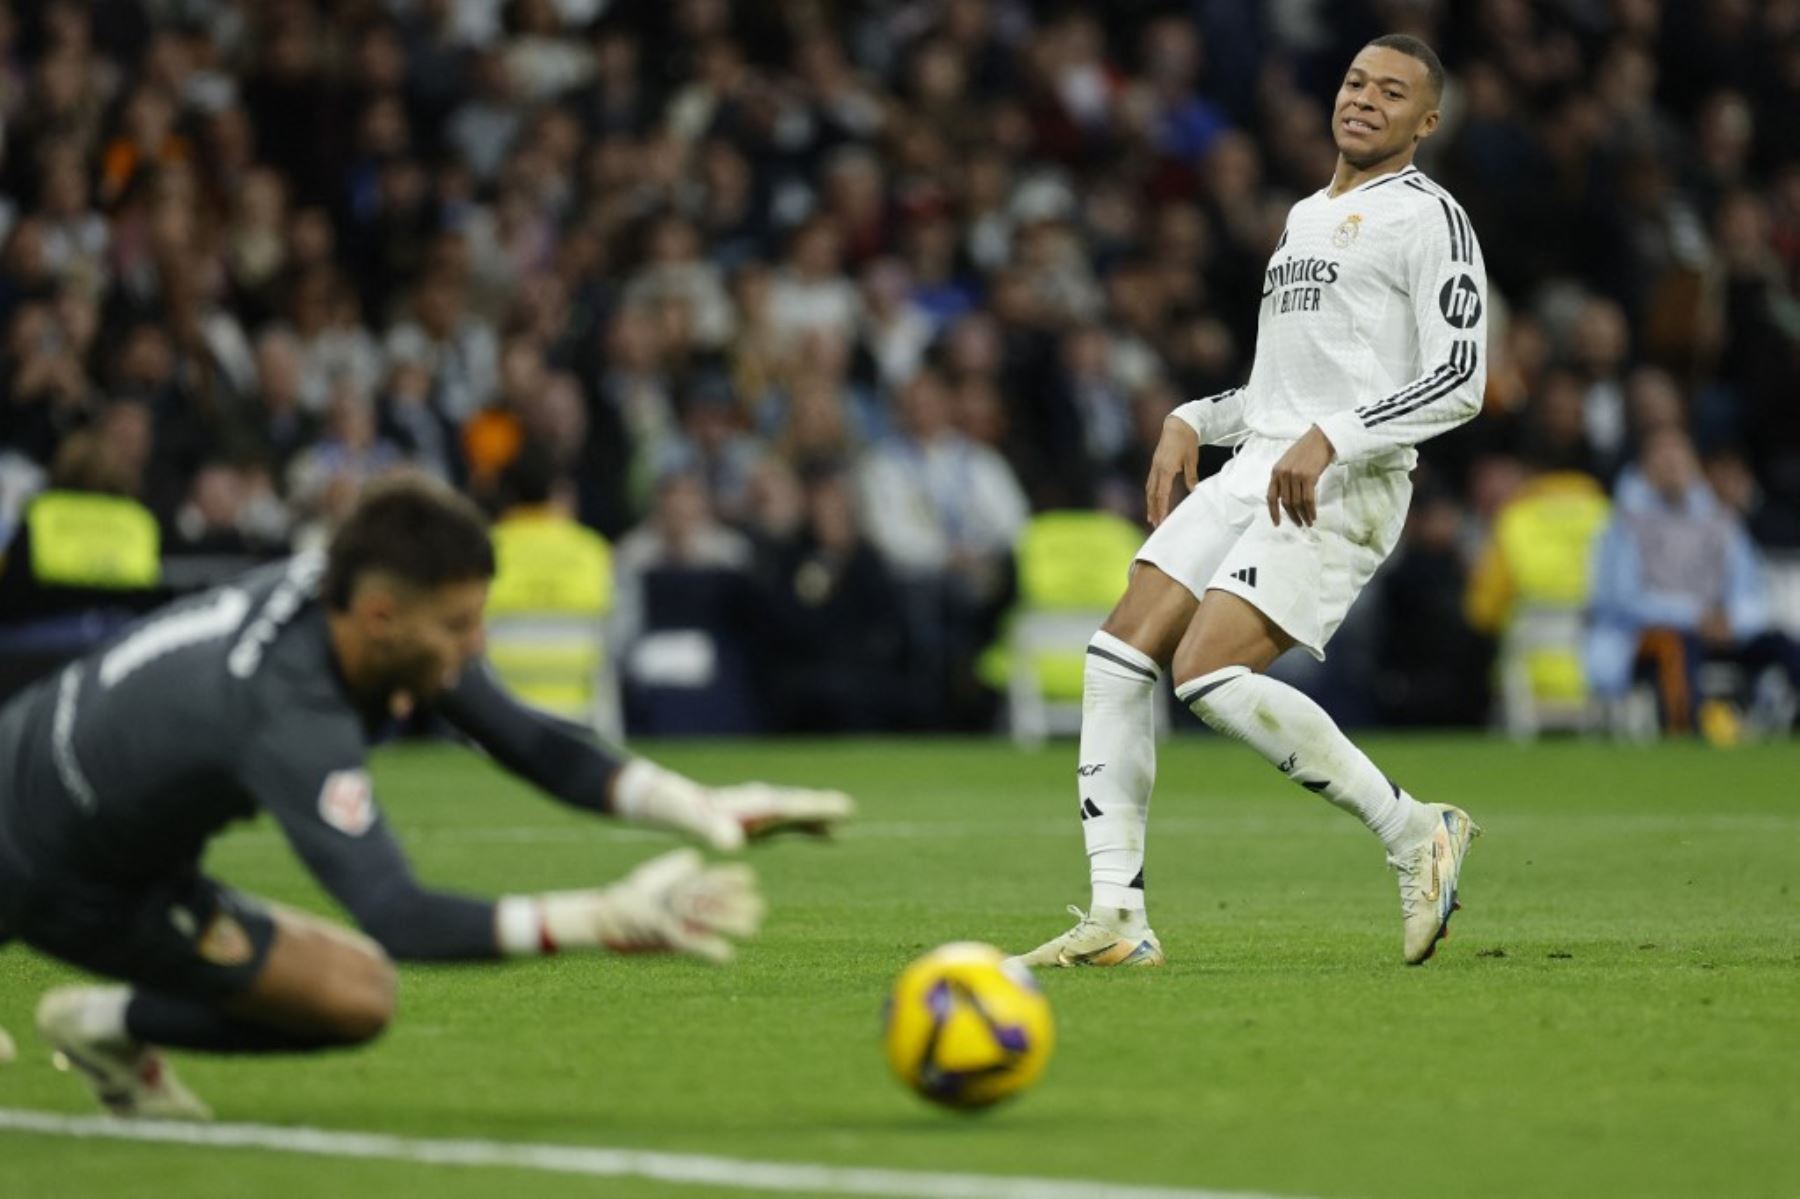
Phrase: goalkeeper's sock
(1296, 737)
(1114, 778)
(175, 1022)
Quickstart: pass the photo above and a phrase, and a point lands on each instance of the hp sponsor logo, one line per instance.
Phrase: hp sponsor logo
(1460, 302)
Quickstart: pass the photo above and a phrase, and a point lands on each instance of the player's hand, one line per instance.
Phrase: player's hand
(724, 818)
(762, 810)
(679, 904)
(1294, 482)
(1177, 457)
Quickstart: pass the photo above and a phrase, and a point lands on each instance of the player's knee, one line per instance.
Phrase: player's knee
(360, 1004)
(1152, 615)
(1194, 660)
(1203, 692)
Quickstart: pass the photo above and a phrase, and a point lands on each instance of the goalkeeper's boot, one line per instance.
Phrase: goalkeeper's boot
(1429, 869)
(1095, 943)
(128, 1078)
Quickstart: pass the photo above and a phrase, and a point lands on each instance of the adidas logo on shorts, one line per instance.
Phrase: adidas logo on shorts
(1246, 576)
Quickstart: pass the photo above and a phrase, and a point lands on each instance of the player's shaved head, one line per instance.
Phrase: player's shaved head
(1412, 47)
(409, 530)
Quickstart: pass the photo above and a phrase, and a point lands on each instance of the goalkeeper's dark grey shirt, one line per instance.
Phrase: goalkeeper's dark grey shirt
(120, 767)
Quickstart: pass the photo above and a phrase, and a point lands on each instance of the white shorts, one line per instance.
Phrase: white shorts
(1220, 538)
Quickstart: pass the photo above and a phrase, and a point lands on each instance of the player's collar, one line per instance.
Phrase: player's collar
(1406, 172)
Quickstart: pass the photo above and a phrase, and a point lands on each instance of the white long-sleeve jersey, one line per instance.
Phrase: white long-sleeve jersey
(1373, 326)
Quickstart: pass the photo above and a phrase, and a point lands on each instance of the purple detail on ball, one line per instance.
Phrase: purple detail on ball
(939, 1001)
(1011, 1037)
(945, 1084)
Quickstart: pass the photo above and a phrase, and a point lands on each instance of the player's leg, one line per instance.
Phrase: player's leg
(1117, 767)
(1117, 770)
(1283, 585)
(207, 969)
(1219, 665)
(319, 986)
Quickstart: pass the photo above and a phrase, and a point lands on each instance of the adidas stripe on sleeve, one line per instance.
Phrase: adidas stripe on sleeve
(1448, 286)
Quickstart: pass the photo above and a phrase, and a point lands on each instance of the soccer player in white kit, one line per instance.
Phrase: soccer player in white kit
(1371, 338)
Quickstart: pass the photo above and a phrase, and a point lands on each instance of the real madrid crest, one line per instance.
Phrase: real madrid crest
(1347, 232)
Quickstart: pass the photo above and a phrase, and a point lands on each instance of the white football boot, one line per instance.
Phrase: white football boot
(1428, 871)
(129, 1079)
(1093, 943)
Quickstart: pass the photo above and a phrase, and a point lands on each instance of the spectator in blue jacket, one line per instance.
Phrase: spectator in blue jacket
(1677, 583)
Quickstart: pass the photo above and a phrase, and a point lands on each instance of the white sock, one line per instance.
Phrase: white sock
(103, 1014)
(1302, 742)
(1116, 774)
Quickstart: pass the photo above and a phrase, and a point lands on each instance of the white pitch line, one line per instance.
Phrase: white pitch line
(867, 830)
(1063, 830)
(594, 1161)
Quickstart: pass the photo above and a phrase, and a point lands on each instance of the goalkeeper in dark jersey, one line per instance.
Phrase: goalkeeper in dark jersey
(263, 695)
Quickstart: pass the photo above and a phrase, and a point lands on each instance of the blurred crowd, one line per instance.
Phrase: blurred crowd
(828, 299)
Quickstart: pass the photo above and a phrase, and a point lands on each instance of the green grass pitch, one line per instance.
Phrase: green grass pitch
(1618, 1012)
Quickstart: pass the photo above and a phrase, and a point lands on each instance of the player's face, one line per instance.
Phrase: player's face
(1383, 107)
(429, 636)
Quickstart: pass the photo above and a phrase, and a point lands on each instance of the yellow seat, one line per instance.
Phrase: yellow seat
(85, 539)
(1072, 568)
(1530, 588)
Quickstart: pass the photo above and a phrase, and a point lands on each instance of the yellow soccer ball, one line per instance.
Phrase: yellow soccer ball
(965, 1029)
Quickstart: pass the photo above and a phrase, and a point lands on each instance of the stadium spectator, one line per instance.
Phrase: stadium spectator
(944, 511)
(834, 619)
(685, 621)
(1677, 583)
(939, 504)
(1053, 207)
(325, 479)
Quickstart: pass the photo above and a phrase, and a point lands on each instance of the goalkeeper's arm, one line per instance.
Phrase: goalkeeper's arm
(568, 763)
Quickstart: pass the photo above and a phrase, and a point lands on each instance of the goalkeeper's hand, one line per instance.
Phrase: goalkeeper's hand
(724, 818)
(676, 903)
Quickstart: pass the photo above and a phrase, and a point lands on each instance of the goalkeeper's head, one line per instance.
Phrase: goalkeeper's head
(406, 579)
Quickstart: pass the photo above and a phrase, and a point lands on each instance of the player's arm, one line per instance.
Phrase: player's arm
(1447, 280)
(319, 793)
(1215, 420)
(567, 762)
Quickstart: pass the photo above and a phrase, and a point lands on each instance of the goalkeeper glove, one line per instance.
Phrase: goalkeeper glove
(724, 817)
(676, 903)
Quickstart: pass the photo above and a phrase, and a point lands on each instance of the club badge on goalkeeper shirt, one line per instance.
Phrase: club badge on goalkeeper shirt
(347, 802)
